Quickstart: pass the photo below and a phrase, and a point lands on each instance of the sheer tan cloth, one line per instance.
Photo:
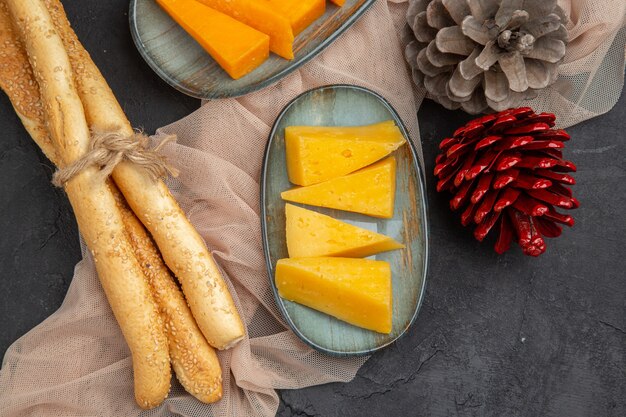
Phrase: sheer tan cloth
(76, 362)
(591, 76)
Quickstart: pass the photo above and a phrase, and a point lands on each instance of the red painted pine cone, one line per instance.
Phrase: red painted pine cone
(507, 172)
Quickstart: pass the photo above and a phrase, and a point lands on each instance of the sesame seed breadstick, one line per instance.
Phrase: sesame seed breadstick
(95, 209)
(18, 81)
(182, 248)
(194, 361)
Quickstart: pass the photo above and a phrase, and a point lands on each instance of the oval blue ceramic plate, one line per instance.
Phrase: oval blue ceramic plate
(182, 63)
(344, 105)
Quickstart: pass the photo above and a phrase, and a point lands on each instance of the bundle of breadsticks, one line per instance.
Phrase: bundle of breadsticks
(136, 232)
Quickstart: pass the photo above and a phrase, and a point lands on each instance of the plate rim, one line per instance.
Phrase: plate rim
(139, 45)
(263, 214)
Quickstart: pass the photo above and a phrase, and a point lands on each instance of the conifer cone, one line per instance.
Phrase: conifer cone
(506, 172)
(480, 54)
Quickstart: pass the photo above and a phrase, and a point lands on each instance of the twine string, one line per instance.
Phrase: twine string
(108, 149)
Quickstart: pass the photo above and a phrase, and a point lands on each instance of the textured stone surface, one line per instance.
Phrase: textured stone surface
(497, 336)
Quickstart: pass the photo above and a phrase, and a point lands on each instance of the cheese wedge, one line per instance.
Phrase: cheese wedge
(301, 13)
(319, 153)
(357, 291)
(237, 48)
(311, 234)
(261, 15)
(370, 191)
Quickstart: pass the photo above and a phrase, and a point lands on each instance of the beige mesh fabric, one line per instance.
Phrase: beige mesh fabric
(76, 362)
(591, 76)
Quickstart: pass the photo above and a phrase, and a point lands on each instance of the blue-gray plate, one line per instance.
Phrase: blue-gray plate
(345, 105)
(179, 60)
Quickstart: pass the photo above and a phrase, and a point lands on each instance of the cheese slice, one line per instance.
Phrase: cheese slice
(301, 13)
(261, 15)
(311, 234)
(319, 153)
(370, 191)
(357, 291)
(237, 48)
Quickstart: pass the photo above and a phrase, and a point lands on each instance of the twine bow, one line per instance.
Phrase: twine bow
(107, 149)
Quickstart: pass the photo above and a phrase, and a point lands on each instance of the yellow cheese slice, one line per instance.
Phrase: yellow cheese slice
(237, 48)
(311, 234)
(301, 13)
(260, 15)
(370, 191)
(320, 153)
(357, 291)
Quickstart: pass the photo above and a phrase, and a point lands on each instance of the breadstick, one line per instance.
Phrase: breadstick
(94, 206)
(18, 81)
(180, 244)
(194, 361)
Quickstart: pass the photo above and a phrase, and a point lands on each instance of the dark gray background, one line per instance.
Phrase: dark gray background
(496, 336)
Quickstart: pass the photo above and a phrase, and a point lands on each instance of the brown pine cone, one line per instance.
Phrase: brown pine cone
(506, 170)
(480, 54)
